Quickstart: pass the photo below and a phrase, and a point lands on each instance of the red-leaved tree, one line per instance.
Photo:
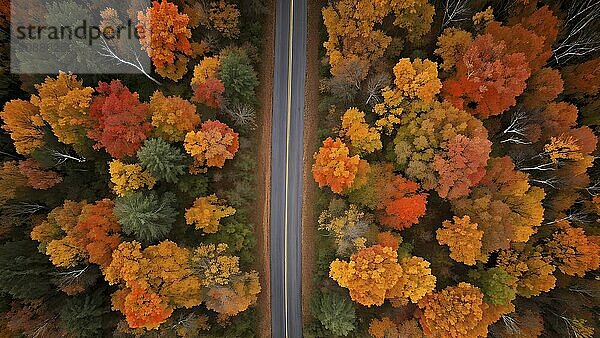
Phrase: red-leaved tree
(488, 78)
(120, 122)
(209, 93)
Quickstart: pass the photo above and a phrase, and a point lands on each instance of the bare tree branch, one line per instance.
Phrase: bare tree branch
(374, 87)
(581, 38)
(551, 182)
(109, 53)
(242, 115)
(516, 132)
(61, 156)
(511, 324)
(455, 11)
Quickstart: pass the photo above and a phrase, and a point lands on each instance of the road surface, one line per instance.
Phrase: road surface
(286, 168)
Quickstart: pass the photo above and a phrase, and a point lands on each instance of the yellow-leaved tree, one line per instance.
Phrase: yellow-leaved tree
(206, 69)
(206, 213)
(154, 281)
(64, 104)
(417, 79)
(463, 238)
(452, 45)
(415, 282)
(129, 177)
(455, 311)
(172, 116)
(363, 138)
(216, 268)
(369, 275)
(354, 40)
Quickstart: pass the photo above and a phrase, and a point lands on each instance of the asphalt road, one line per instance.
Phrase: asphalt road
(286, 168)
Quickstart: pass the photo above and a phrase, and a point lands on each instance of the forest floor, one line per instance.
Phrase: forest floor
(311, 121)
(263, 188)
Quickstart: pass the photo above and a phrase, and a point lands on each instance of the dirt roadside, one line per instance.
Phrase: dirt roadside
(262, 204)
(311, 104)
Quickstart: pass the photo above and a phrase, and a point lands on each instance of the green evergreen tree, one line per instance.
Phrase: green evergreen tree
(335, 312)
(162, 160)
(24, 271)
(238, 77)
(145, 216)
(81, 316)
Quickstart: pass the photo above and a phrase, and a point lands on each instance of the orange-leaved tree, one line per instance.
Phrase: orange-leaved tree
(404, 204)
(98, 231)
(439, 146)
(120, 122)
(387, 238)
(542, 87)
(582, 80)
(334, 167)
(563, 148)
(519, 39)
(165, 36)
(543, 23)
(77, 233)
(53, 234)
(383, 328)
(214, 143)
(24, 123)
(398, 202)
(142, 307)
(208, 90)
(154, 281)
(573, 252)
(209, 93)
(504, 206)
(38, 177)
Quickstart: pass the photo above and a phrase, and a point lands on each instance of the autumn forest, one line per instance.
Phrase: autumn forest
(126, 200)
(459, 184)
(452, 185)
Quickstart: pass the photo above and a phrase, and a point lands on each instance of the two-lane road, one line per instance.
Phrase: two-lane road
(286, 168)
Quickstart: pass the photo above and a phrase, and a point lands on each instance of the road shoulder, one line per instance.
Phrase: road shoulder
(262, 206)
(310, 146)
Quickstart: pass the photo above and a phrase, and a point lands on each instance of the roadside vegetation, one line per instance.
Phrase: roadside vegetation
(458, 171)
